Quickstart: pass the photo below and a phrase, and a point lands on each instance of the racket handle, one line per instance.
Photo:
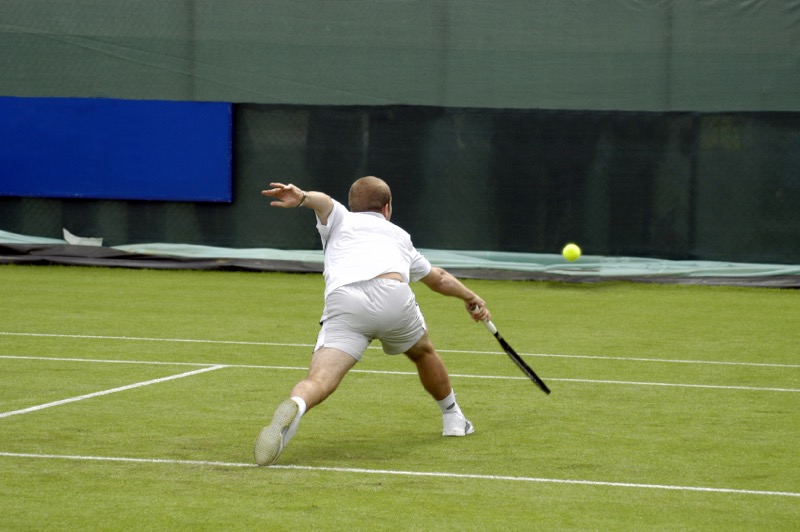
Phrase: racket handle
(489, 325)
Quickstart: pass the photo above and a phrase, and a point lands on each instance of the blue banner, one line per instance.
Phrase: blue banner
(116, 149)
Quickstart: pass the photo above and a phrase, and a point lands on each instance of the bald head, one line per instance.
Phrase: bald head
(369, 194)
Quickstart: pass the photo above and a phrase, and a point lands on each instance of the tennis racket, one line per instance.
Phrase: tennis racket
(526, 369)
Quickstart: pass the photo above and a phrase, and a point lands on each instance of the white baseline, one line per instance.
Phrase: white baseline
(393, 472)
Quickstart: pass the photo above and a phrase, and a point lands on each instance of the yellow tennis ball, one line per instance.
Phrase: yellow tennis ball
(571, 252)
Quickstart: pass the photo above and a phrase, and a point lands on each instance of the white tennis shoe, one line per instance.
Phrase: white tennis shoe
(455, 424)
(274, 437)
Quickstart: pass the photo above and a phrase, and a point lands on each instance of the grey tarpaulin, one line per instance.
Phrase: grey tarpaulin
(465, 264)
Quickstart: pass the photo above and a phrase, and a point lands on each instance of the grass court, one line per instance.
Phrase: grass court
(130, 400)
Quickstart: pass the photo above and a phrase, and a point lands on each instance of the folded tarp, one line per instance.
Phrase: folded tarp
(22, 249)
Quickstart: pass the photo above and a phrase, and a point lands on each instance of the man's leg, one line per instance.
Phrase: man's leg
(328, 368)
(430, 367)
(436, 381)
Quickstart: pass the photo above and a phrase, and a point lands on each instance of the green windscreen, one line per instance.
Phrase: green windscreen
(644, 55)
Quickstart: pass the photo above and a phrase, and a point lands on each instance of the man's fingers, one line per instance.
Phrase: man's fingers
(479, 312)
(277, 190)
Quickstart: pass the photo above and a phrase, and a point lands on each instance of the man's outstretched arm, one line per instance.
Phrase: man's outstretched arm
(443, 282)
(290, 196)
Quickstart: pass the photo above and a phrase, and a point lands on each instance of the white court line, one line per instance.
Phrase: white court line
(594, 381)
(279, 344)
(409, 373)
(392, 472)
(106, 392)
(670, 360)
(709, 386)
(111, 361)
(145, 339)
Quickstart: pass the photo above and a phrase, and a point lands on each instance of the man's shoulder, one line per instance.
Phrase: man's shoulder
(338, 212)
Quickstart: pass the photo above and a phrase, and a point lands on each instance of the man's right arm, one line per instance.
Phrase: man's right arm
(443, 282)
(290, 196)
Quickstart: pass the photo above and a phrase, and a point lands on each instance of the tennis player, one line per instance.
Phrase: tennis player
(369, 263)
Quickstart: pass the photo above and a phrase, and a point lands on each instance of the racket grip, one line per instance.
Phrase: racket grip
(489, 325)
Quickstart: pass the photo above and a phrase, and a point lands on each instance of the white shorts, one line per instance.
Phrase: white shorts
(358, 313)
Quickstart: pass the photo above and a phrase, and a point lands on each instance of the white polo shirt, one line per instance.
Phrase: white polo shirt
(363, 245)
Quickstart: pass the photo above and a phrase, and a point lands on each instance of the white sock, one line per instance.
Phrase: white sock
(301, 404)
(449, 404)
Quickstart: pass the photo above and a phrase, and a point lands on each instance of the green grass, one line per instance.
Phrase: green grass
(675, 387)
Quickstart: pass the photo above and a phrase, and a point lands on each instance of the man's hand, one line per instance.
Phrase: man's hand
(477, 309)
(290, 196)
(286, 196)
